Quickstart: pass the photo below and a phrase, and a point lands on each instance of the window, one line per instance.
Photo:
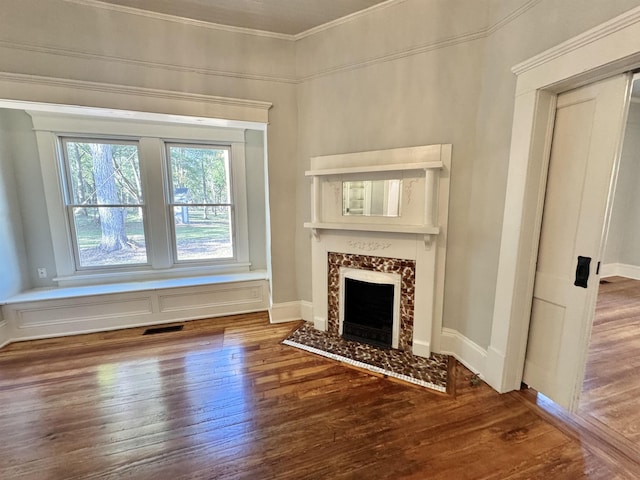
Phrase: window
(134, 200)
(105, 206)
(201, 202)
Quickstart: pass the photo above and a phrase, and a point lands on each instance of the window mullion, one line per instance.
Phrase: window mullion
(154, 182)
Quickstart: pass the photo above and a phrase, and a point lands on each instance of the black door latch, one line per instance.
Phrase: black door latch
(582, 272)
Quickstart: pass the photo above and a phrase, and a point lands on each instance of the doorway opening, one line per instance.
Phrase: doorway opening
(611, 385)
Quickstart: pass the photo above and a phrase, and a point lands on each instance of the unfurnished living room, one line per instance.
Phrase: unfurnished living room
(319, 239)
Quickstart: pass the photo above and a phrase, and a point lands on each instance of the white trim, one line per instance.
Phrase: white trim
(510, 17)
(470, 354)
(604, 51)
(63, 52)
(620, 270)
(181, 20)
(596, 34)
(397, 55)
(421, 348)
(80, 94)
(152, 139)
(44, 294)
(287, 311)
(306, 310)
(420, 48)
(415, 50)
(346, 19)
(33, 318)
(5, 332)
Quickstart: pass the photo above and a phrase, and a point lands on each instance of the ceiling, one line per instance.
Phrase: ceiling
(289, 17)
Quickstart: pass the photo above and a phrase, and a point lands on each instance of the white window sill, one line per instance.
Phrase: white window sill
(125, 287)
(127, 276)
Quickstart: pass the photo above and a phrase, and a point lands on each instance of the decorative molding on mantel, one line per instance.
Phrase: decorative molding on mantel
(421, 167)
(605, 29)
(368, 245)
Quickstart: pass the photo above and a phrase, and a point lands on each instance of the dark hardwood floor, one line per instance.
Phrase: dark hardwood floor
(224, 399)
(611, 390)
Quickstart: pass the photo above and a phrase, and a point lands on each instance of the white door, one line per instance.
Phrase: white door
(587, 137)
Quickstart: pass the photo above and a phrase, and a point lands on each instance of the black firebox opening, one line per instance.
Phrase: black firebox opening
(368, 312)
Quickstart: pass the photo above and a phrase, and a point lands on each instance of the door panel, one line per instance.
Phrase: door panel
(586, 141)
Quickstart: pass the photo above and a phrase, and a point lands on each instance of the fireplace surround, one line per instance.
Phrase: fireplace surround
(411, 245)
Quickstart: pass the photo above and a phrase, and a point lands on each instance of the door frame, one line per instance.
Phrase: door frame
(606, 50)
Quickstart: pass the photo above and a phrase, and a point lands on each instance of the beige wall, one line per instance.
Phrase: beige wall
(14, 262)
(71, 41)
(445, 77)
(623, 243)
(416, 72)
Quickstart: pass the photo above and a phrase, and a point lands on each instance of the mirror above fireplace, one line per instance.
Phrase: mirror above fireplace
(372, 198)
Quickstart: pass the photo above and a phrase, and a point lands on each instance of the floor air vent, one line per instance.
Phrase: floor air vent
(172, 328)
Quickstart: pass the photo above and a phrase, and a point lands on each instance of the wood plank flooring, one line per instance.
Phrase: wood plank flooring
(223, 399)
(611, 390)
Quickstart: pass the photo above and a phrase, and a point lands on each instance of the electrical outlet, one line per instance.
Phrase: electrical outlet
(42, 272)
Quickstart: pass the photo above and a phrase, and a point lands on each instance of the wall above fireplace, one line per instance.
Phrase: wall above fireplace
(415, 234)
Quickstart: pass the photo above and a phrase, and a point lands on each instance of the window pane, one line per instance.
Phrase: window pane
(199, 174)
(109, 236)
(103, 173)
(203, 233)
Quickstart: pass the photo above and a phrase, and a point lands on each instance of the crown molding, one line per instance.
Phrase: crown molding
(141, 63)
(422, 48)
(181, 20)
(427, 47)
(347, 18)
(607, 28)
(511, 16)
(416, 50)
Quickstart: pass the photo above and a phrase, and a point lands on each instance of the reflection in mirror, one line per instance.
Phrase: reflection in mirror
(379, 198)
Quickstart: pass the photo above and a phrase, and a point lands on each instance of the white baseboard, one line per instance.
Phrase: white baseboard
(306, 309)
(421, 349)
(56, 317)
(290, 311)
(5, 334)
(320, 323)
(620, 270)
(467, 352)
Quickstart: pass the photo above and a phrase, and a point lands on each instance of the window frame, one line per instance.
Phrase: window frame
(152, 138)
(171, 200)
(67, 187)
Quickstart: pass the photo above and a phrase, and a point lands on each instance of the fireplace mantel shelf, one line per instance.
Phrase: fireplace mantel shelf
(375, 227)
(428, 231)
(375, 168)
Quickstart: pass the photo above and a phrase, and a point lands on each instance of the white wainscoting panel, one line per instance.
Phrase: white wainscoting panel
(51, 317)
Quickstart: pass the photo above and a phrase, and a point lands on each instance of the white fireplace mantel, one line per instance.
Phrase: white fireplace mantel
(424, 196)
(417, 234)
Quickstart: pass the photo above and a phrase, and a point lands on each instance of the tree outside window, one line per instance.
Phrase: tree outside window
(105, 202)
(201, 202)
